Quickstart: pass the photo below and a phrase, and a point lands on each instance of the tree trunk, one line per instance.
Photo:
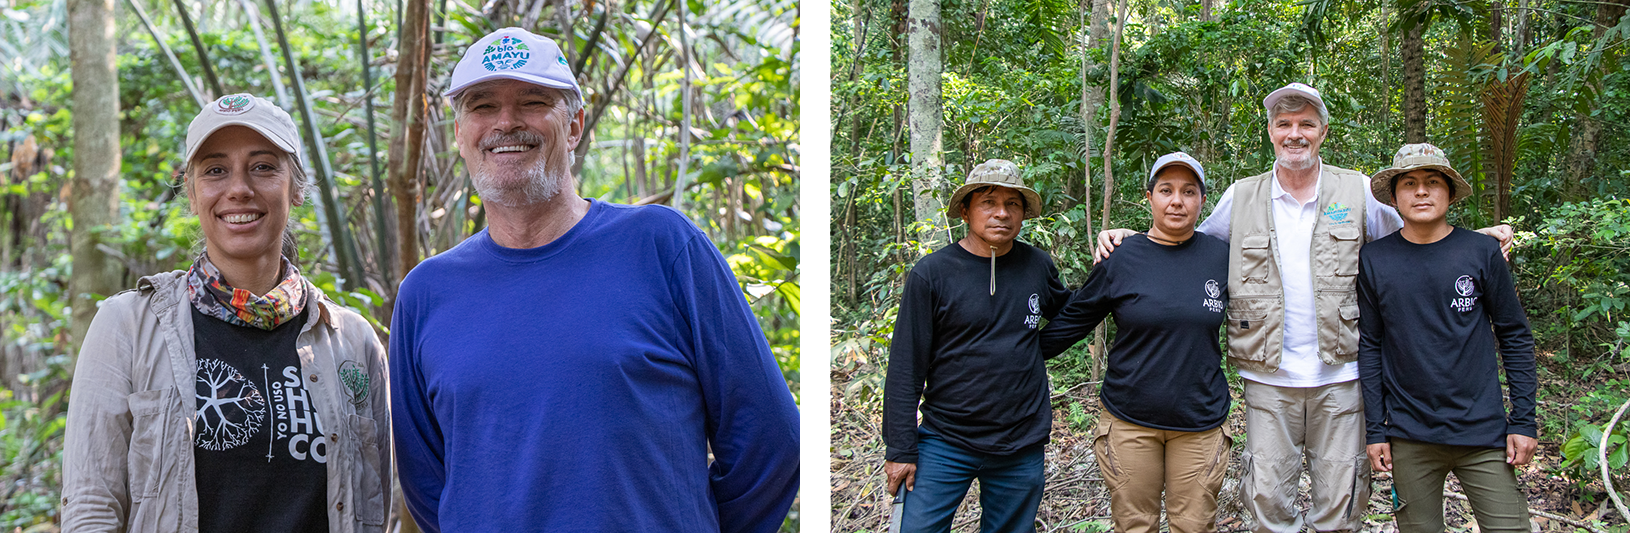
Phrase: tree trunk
(1205, 11)
(1087, 113)
(407, 138)
(94, 202)
(1099, 334)
(926, 116)
(1414, 52)
(1587, 131)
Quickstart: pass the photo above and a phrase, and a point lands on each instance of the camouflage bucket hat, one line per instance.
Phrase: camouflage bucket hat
(999, 172)
(1416, 157)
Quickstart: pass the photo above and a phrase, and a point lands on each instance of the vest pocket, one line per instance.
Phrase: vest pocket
(1349, 329)
(1247, 331)
(149, 429)
(1256, 255)
(1343, 256)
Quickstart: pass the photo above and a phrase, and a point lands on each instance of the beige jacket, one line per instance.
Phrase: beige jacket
(129, 459)
(1256, 297)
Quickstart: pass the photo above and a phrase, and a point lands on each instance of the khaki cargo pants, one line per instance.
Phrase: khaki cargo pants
(1326, 426)
(1138, 462)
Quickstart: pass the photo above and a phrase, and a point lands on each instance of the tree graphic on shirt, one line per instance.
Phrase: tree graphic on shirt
(230, 407)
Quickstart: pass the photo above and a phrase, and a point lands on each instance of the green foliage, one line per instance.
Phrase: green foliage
(1583, 448)
(31, 450)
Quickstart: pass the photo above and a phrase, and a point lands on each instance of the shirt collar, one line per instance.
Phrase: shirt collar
(1280, 192)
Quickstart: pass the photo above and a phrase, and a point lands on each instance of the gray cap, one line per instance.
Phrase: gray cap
(1177, 158)
(1295, 89)
(249, 111)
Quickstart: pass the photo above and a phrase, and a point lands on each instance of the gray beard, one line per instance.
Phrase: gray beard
(1297, 165)
(538, 185)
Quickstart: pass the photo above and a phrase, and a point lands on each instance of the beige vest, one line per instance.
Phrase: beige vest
(1256, 298)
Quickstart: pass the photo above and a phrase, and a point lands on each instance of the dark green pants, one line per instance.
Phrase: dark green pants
(1418, 473)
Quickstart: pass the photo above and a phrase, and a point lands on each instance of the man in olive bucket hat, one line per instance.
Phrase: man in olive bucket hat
(1432, 300)
(968, 330)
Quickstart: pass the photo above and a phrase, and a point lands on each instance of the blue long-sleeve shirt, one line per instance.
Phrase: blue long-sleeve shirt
(577, 386)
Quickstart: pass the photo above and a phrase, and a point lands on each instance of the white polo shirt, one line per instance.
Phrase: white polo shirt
(1299, 363)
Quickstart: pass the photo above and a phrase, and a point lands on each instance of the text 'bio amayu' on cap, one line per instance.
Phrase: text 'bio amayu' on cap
(514, 54)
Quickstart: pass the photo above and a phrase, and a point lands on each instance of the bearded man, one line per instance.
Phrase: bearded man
(571, 366)
(1293, 235)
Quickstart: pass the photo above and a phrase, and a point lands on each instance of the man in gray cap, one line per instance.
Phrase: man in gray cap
(1292, 319)
(570, 367)
(966, 344)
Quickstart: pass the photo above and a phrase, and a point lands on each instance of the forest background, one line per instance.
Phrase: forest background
(691, 103)
(1527, 96)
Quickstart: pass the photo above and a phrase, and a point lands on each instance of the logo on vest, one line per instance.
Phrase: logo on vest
(507, 53)
(1466, 302)
(1034, 319)
(1338, 214)
(1213, 290)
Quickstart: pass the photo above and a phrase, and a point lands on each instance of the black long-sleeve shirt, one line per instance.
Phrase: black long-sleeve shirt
(1165, 369)
(973, 358)
(1426, 349)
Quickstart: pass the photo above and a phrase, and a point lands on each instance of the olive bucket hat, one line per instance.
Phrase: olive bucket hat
(1416, 157)
(999, 172)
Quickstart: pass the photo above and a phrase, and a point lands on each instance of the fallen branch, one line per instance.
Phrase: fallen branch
(1066, 392)
(1601, 449)
(1536, 512)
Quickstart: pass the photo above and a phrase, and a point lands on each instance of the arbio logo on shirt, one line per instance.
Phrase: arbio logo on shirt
(1464, 287)
(1034, 319)
(1213, 290)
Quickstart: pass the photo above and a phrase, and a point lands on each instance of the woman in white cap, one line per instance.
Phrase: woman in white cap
(1164, 395)
(231, 396)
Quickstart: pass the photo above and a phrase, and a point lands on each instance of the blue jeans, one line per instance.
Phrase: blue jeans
(1009, 486)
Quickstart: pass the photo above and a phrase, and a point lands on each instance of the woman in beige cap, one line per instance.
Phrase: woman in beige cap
(231, 396)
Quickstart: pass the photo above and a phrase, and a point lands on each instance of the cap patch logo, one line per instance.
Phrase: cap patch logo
(507, 53)
(234, 104)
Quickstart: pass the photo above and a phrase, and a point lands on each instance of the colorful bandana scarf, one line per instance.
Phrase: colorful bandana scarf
(213, 297)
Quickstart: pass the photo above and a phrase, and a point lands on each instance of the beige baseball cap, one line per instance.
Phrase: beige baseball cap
(999, 172)
(249, 111)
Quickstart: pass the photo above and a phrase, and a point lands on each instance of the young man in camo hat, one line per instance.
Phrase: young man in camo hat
(1428, 296)
(967, 344)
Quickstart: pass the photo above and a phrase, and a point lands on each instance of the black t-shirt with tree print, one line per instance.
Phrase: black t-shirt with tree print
(260, 449)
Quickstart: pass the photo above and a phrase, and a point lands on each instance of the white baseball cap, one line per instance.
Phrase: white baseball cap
(1299, 89)
(246, 110)
(1177, 158)
(516, 54)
